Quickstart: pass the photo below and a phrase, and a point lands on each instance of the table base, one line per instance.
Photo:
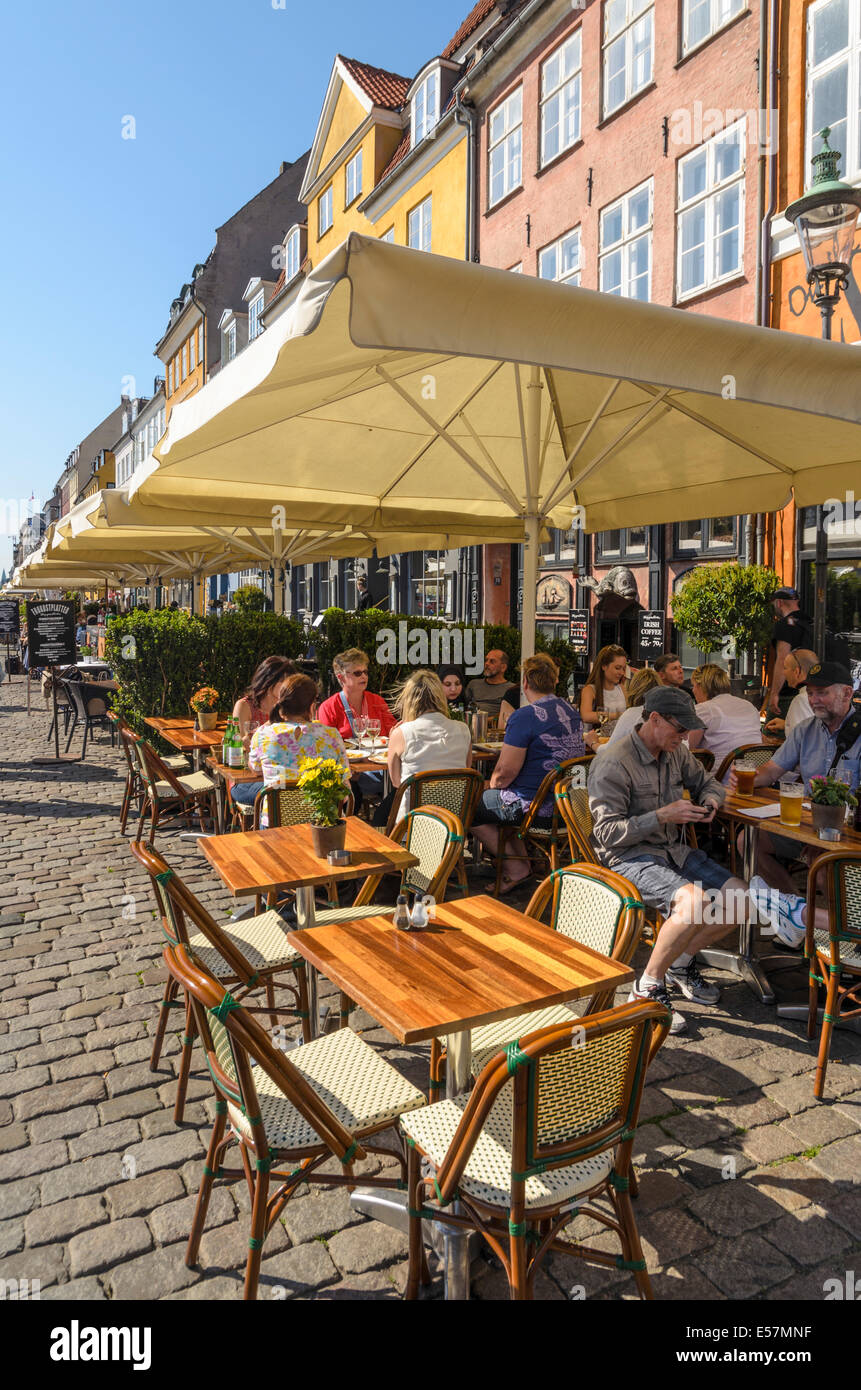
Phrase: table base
(799, 1012)
(747, 967)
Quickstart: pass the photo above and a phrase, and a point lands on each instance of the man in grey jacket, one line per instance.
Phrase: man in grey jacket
(639, 820)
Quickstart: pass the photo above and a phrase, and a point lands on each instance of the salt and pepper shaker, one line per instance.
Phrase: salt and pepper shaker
(401, 918)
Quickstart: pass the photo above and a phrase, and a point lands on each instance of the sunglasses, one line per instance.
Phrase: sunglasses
(363, 671)
(674, 725)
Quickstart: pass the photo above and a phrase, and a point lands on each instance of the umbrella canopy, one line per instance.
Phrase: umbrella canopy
(409, 391)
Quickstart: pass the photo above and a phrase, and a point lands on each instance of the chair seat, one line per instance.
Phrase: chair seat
(850, 951)
(493, 1037)
(357, 1085)
(325, 916)
(487, 1176)
(263, 940)
(177, 762)
(194, 782)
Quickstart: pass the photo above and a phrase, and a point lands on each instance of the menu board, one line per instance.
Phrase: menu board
(578, 630)
(650, 635)
(10, 620)
(51, 633)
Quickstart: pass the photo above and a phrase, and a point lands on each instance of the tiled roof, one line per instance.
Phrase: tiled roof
(477, 15)
(400, 153)
(386, 89)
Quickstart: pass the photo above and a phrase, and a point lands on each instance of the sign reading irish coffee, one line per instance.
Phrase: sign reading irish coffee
(10, 620)
(650, 635)
(51, 633)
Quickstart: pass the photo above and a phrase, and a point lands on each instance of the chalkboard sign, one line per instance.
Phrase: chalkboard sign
(51, 633)
(10, 620)
(578, 630)
(650, 635)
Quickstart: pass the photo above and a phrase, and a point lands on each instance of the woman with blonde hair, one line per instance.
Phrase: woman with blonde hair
(427, 738)
(638, 687)
(603, 694)
(729, 721)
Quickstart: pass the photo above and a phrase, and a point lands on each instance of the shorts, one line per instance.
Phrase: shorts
(492, 809)
(658, 880)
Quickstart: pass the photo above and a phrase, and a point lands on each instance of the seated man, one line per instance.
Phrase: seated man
(487, 692)
(639, 816)
(829, 742)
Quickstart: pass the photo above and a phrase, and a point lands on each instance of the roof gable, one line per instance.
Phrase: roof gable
(356, 93)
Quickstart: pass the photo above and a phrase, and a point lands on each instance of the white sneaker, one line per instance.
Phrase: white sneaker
(782, 910)
(661, 995)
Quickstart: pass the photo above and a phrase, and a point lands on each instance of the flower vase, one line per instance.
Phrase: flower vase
(827, 817)
(325, 838)
(207, 719)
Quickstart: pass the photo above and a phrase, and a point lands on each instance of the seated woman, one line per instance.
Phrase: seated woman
(291, 735)
(603, 696)
(455, 688)
(543, 733)
(426, 740)
(354, 699)
(641, 683)
(254, 709)
(729, 720)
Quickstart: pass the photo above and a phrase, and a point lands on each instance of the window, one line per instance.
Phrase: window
(561, 259)
(200, 344)
(170, 378)
(505, 147)
(425, 107)
(714, 535)
(632, 543)
(255, 309)
(628, 38)
(516, 269)
(291, 258)
(703, 18)
(560, 99)
(228, 347)
(419, 226)
(354, 178)
(192, 344)
(389, 235)
(184, 361)
(834, 79)
(626, 244)
(326, 214)
(711, 209)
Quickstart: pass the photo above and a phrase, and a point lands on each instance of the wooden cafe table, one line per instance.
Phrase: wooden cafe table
(182, 735)
(480, 961)
(266, 861)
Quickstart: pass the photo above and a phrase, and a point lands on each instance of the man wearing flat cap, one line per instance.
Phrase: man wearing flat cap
(639, 820)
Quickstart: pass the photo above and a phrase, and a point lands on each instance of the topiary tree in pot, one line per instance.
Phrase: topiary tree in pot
(726, 607)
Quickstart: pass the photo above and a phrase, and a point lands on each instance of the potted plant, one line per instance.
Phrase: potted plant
(829, 798)
(204, 702)
(324, 787)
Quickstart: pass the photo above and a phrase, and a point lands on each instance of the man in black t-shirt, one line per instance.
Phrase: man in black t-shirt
(792, 630)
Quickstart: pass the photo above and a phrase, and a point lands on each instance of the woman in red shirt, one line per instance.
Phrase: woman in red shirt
(354, 698)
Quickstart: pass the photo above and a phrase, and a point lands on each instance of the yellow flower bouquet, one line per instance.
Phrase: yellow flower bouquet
(324, 786)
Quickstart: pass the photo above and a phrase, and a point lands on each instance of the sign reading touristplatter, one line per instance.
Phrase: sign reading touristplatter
(51, 633)
(10, 619)
(578, 631)
(650, 635)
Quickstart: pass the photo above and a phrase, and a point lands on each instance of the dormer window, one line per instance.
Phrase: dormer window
(292, 251)
(228, 343)
(255, 309)
(425, 107)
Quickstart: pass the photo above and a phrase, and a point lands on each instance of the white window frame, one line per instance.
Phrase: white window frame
(389, 236)
(709, 197)
(424, 108)
(510, 143)
(184, 361)
(421, 220)
(574, 80)
(721, 13)
(627, 241)
(635, 12)
(255, 309)
(326, 208)
(516, 269)
(572, 277)
(353, 175)
(850, 144)
(292, 255)
(192, 346)
(228, 343)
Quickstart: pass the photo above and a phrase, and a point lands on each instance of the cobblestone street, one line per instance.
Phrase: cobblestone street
(748, 1186)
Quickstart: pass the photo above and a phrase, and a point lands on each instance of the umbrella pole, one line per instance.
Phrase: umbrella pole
(531, 524)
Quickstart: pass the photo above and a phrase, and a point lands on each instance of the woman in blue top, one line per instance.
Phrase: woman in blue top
(543, 733)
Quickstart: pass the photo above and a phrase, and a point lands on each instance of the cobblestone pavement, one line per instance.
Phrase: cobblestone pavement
(97, 1182)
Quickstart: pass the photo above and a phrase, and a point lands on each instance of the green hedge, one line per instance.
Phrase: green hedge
(342, 630)
(160, 658)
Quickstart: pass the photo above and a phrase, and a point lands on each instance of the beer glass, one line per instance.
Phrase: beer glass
(744, 775)
(791, 797)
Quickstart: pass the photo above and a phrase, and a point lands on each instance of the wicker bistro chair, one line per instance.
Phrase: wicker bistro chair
(704, 756)
(286, 806)
(548, 1128)
(89, 706)
(834, 955)
(248, 954)
(543, 841)
(455, 789)
(758, 753)
(134, 790)
(289, 1113)
(164, 791)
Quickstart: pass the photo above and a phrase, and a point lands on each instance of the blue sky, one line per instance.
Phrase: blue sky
(99, 232)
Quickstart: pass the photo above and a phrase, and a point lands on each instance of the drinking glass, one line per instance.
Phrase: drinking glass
(791, 797)
(744, 776)
(374, 726)
(360, 726)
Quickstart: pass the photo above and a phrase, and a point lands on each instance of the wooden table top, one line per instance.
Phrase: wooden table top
(480, 961)
(260, 861)
(232, 775)
(735, 807)
(181, 733)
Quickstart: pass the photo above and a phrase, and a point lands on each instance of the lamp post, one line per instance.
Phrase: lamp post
(825, 218)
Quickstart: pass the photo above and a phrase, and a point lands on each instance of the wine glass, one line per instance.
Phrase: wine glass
(374, 726)
(360, 729)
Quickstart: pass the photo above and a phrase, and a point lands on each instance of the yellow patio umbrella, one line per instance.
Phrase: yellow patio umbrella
(410, 392)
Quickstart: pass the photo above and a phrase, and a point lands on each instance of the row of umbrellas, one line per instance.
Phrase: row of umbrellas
(410, 401)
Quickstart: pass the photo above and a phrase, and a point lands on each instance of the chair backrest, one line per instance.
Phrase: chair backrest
(152, 769)
(455, 789)
(572, 800)
(757, 753)
(545, 792)
(704, 756)
(287, 806)
(592, 905)
(75, 695)
(577, 1090)
(232, 1040)
(435, 836)
(127, 738)
(842, 873)
(94, 700)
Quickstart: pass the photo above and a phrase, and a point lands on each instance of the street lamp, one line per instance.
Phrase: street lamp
(825, 218)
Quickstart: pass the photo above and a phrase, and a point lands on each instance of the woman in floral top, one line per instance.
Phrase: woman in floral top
(291, 735)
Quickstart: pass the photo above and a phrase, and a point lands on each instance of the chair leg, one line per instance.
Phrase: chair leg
(832, 995)
(812, 998)
(86, 731)
(345, 1009)
(460, 870)
(632, 1250)
(270, 1000)
(170, 991)
(71, 734)
(126, 806)
(206, 1181)
(184, 1065)
(436, 1070)
(415, 1249)
(154, 823)
(304, 1001)
(144, 804)
(258, 1235)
